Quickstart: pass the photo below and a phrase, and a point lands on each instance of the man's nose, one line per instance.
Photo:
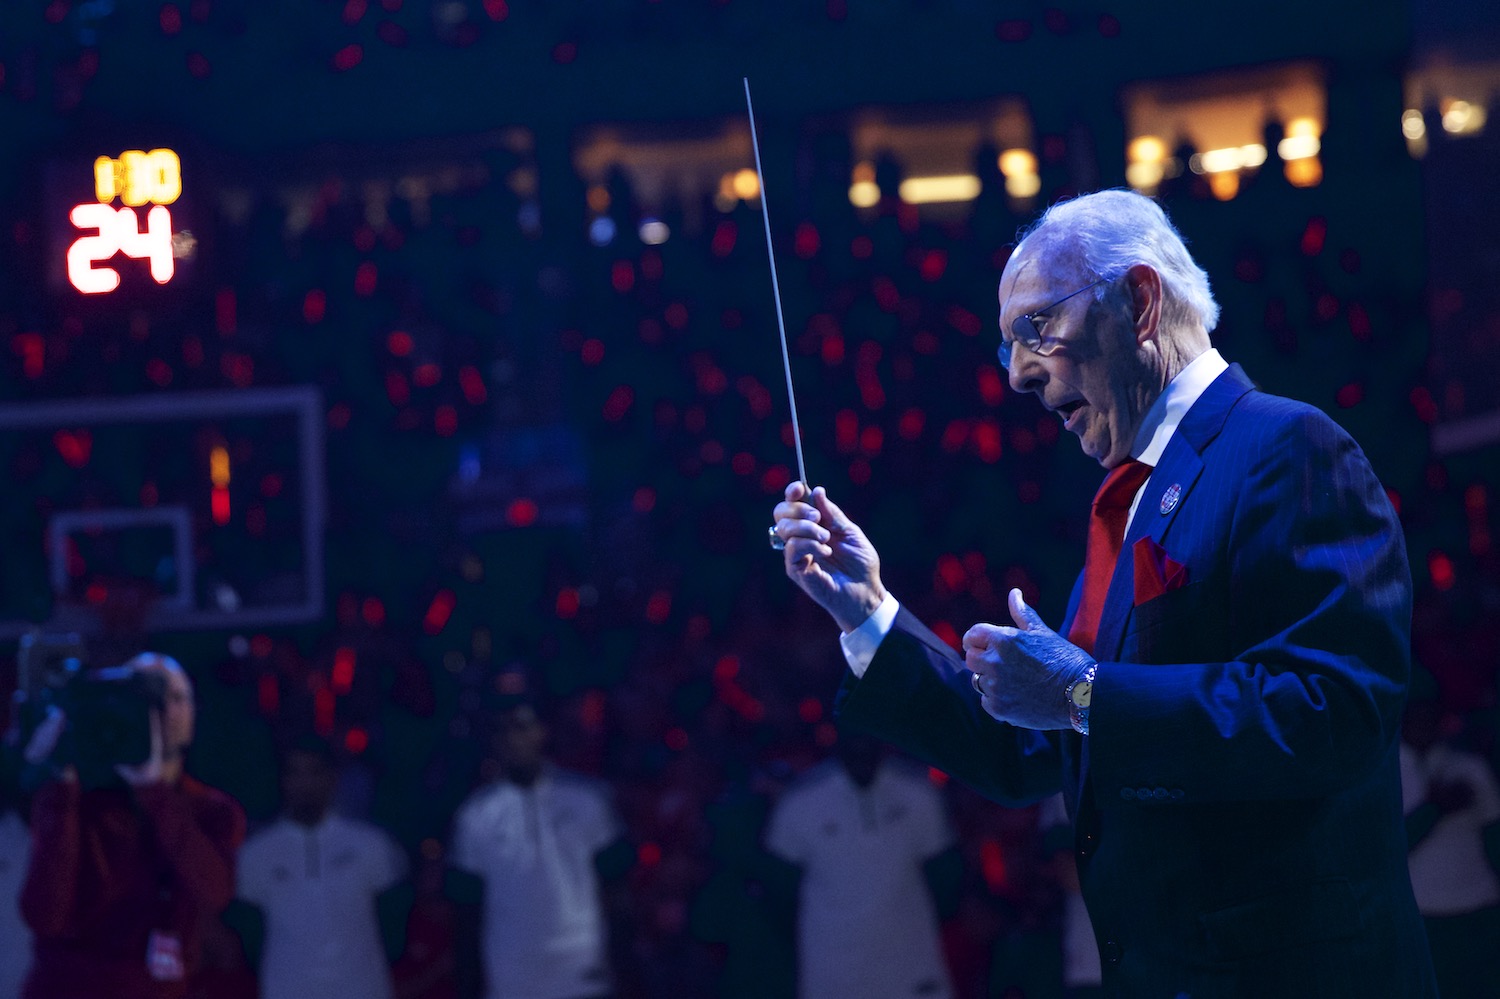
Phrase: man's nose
(1027, 374)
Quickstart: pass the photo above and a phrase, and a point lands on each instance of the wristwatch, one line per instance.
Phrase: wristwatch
(1080, 694)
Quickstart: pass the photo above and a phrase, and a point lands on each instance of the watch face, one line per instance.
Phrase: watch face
(1083, 693)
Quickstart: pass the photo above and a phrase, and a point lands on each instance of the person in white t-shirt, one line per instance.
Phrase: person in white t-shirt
(535, 841)
(1452, 805)
(863, 827)
(15, 851)
(322, 883)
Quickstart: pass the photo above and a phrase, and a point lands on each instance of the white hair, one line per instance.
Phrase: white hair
(154, 660)
(1110, 231)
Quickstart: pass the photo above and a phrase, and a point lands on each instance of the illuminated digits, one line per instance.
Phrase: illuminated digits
(118, 232)
(137, 178)
(137, 189)
(87, 249)
(106, 179)
(165, 176)
(155, 244)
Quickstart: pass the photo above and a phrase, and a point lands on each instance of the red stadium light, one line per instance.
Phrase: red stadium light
(439, 611)
(219, 505)
(356, 740)
(1440, 567)
(992, 864)
(344, 661)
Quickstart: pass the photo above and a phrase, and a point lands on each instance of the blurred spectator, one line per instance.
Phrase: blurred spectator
(877, 854)
(325, 886)
(1452, 806)
(123, 876)
(539, 840)
(15, 848)
(425, 969)
(749, 904)
(1082, 975)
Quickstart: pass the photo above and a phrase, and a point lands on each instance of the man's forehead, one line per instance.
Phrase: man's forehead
(1039, 268)
(1029, 274)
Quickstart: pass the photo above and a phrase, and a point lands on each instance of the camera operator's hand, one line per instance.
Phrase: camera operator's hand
(152, 770)
(43, 742)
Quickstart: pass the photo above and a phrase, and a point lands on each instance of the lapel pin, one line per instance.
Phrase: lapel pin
(1170, 498)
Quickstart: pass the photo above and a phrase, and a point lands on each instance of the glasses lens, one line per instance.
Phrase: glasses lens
(1026, 332)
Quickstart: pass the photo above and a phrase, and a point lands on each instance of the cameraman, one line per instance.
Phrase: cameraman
(122, 876)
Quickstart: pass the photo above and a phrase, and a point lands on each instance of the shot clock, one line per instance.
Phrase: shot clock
(130, 235)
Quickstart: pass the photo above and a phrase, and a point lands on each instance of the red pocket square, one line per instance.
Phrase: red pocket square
(1156, 572)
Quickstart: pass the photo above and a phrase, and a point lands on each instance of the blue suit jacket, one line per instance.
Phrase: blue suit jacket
(1237, 805)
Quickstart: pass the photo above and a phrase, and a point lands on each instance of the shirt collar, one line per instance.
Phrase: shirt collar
(1161, 420)
(314, 829)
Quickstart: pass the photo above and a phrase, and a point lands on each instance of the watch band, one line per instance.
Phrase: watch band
(1079, 716)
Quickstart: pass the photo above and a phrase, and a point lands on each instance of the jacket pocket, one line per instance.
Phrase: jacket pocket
(1167, 629)
(1164, 607)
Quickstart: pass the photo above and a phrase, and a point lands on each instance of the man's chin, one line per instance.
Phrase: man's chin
(1092, 450)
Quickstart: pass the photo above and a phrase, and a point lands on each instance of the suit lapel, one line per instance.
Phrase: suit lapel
(1177, 472)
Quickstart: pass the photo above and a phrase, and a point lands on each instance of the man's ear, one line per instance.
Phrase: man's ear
(1144, 286)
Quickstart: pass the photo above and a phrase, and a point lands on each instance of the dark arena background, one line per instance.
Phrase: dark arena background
(381, 359)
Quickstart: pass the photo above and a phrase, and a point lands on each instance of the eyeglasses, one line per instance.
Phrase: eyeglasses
(1029, 335)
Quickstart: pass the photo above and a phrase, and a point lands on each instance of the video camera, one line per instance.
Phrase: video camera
(108, 709)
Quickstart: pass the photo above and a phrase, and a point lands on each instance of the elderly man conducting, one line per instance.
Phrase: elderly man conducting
(1221, 706)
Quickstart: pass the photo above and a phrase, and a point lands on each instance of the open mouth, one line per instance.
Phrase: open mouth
(1068, 410)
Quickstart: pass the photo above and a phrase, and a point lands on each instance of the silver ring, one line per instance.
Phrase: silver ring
(974, 679)
(777, 542)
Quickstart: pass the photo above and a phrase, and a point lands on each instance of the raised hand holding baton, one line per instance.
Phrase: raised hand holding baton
(786, 360)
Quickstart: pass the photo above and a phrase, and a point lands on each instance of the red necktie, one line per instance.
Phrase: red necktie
(1106, 535)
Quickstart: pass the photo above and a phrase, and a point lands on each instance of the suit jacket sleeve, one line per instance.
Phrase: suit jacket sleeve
(1308, 591)
(917, 696)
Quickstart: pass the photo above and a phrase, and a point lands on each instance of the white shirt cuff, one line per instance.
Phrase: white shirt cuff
(861, 644)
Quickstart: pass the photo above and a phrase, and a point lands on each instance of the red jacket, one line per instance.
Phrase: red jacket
(111, 866)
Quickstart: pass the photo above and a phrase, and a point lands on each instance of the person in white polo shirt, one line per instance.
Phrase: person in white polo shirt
(1452, 804)
(537, 841)
(322, 882)
(865, 829)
